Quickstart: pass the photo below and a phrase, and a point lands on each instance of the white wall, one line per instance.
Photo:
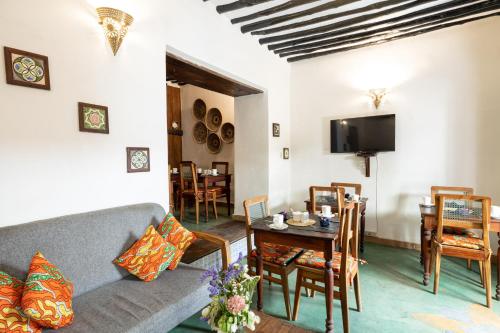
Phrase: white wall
(53, 169)
(444, 92)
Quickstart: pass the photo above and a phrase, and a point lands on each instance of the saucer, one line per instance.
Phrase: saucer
(326, 216)
(275, 227)
(427, 206)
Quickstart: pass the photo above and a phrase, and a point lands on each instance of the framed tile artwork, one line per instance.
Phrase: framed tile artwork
(276, 129)
(26, 69)
(138, 159)
(93, 118)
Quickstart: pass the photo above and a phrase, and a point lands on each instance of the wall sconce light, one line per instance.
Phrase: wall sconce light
(115, 24)
(377, 95)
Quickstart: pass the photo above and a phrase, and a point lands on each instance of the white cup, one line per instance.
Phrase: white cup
(297, 216)
(199, 170)
(174, 170)
(214, 172)
(355, 198)
(427, 201)
(305, 217)
(278, 220)
(326, 210)
(207, 172)
(495, 211)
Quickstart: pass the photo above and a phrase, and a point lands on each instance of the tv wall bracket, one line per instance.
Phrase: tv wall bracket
(366, 156)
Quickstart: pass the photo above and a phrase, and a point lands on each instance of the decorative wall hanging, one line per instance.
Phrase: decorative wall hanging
(115, 24)
(26, 69)
(227, 133)
(276, 129)
(286, 153)
(138, 159)
(214, 143)
(199, 109)
(214, 119)
(93, 118)
(200, 132)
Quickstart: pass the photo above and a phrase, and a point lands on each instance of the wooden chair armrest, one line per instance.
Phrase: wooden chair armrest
(224, 245)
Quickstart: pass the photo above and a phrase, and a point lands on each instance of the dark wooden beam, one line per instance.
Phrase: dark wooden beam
(382, 41)
(359, 19)
(238, 5)
(272, 10)
(350, 29)
(418, 23)
(329, 5)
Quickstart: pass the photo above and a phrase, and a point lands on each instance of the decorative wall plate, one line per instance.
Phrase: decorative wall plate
(227, 133)
(214, 143)
(199, 109)
(214, 119)
(200, 132)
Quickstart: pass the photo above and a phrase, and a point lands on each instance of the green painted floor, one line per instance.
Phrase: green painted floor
(190, 218)
(394, 299)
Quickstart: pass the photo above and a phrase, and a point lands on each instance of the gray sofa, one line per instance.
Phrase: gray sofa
(106, 298)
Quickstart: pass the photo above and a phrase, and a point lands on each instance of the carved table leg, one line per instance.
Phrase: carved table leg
(260, 284)
(362, 231)
(329, 295)
(422, 241)
(498, 268)
(427, 255)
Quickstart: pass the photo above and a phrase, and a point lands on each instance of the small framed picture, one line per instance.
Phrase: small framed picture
(286, 153)
(276, 129)
(138, 159)
(26, 69)
(93, 118)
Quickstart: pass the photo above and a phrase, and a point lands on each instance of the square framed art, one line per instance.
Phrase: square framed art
(93, 118)
(138, 159)
(27, 69)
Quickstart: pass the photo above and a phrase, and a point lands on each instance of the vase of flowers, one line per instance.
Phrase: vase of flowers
(231, 292)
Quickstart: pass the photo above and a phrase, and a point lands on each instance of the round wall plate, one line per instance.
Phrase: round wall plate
(214, 143)
(214, 119)
(227, 133)
(200, 132)
(199, 109)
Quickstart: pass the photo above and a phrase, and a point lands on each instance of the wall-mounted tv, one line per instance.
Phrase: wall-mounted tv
(366, 134)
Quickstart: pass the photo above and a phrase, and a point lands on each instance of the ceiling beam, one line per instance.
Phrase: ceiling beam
(382, 41)
(272, 10)
(341, 30)
(238, 5)
(356, 20)
(405, 26)
(326, 6)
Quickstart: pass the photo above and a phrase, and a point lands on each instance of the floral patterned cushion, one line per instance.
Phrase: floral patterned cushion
(176, 234)
(48, 295)
(148, 257)
(12, 317)
(316, 259)
(278, 254)
(460, 231)
(474, 243)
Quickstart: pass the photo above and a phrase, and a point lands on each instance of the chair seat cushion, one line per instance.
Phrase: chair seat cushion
(460, 231)
(474, 243)
(316, 259)
(278, 254)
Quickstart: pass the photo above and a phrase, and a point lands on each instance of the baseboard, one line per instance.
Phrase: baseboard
(240, 218)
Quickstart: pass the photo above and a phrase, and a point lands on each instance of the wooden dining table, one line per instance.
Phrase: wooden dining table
(312, 237)
(429, 224)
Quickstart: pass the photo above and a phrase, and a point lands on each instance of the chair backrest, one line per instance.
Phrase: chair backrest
(356, 187)
(222, 167)
(330, 192)
(349, 235)
(464, 212)
(187, 171)
(435, 190)
(255, 208)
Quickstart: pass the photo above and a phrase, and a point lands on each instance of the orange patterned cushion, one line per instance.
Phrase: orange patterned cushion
(316, 259)
(474, 243)
(12, 317)
(47, 296)
(459, 231)
(148, 257)
(278, 254)
(175, 233)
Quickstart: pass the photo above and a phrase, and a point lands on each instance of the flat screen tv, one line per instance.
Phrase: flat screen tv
(366, 134)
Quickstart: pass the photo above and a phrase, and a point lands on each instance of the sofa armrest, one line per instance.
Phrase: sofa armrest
(221, 242)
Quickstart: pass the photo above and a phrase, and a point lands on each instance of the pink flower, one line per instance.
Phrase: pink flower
(236, 304)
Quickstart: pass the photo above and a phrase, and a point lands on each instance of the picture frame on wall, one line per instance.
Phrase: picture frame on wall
(286, 153)
(138, 159)
(27, 69)
(276, 129)
(93, 118)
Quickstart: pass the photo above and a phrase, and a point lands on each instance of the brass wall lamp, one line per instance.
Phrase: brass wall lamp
(377, 95)
(115, 24)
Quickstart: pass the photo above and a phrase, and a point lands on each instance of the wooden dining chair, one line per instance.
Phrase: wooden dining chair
(189, 189)
(335, 193)
(311, 266)
(278, 259)
(355, 186)
(463, 212)
(221, 189)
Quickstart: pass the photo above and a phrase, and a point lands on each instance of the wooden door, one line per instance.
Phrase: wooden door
(174, 134)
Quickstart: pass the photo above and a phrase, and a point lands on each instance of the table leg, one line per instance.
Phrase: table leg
(362, 236)
(498, 268)
(422, 241)
(205, 183)
(329, 295)
(427, 255)
(260, 273)
(228, 194)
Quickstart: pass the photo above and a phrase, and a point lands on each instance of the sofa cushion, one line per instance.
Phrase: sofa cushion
(131, 306)
(148, 257)
(47, 296)
(176, 234)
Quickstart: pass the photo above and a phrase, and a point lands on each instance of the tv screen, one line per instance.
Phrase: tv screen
(367, 134)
